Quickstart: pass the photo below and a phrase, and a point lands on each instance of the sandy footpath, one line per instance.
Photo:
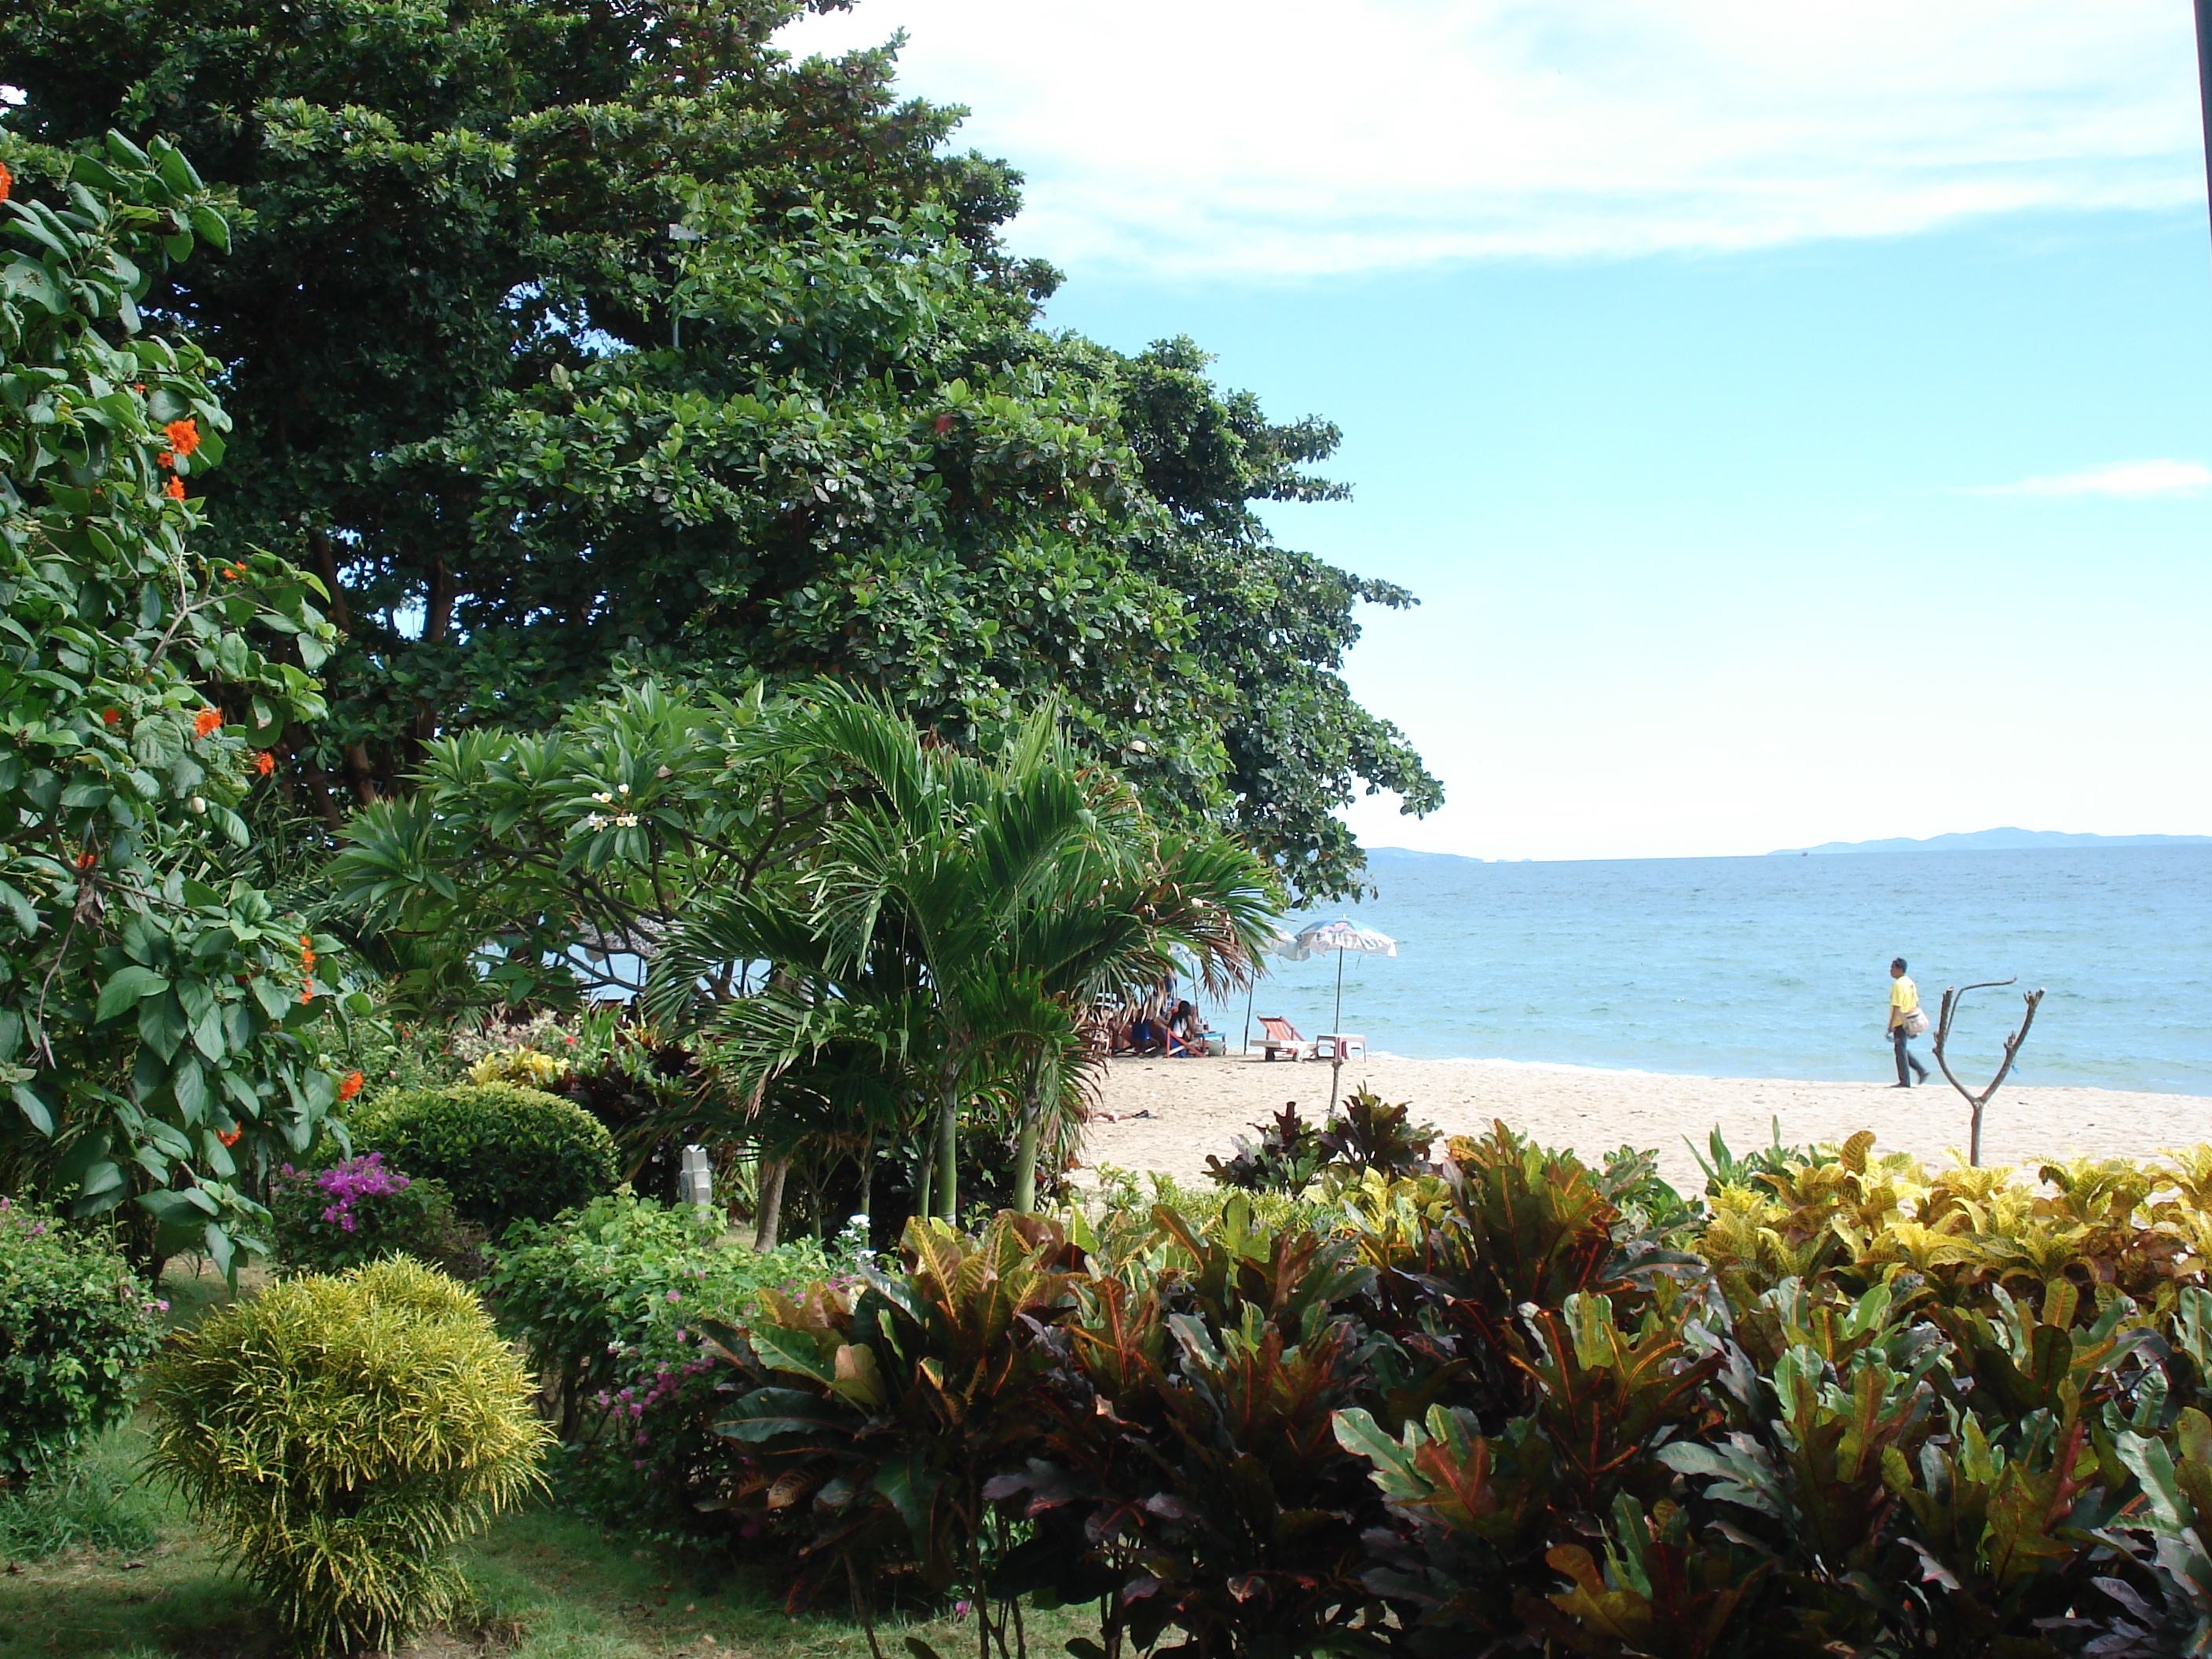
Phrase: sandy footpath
(1198, 1106)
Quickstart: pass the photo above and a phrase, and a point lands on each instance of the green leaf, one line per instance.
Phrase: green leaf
(33, 1107)
(104, 1176)
(274, 996)
(177, 1206)
(189, 1086)
(773, 1413)
(218, 1247)
(207, 1034)
(162, 1025)
(212, 226)
(124, 989)
(789, 1349)
(19, 910)
(1358, 1432)
(909, 1483)
(25, 278)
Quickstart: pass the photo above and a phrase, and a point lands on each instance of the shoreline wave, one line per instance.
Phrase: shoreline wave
(1499, 1063)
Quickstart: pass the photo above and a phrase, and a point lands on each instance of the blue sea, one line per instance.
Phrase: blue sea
(1777, 967)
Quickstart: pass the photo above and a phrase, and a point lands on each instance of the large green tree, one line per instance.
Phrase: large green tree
(568, 334)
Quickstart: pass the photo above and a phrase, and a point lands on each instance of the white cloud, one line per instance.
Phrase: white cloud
(1293, 137)
(2135, 480)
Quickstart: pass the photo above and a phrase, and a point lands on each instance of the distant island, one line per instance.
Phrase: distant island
(1983, 841)
(1975, 841)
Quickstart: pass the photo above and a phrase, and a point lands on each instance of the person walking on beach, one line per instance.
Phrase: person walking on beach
(1905, 1023)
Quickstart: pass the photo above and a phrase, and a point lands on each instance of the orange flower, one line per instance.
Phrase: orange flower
(184, 435)
(87, 859)
(174, 490)
(7, 181)
(307, 944)
(229, 1136)
(265, 763)
(206, 721)
(349, 1086)
(167, 458)
(307, 993)
(111, 715)
(233, 571)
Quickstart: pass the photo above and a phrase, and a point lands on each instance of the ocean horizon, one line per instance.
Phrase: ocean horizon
(1761, 966)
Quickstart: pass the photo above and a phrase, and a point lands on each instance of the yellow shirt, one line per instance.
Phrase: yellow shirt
(1904, 999)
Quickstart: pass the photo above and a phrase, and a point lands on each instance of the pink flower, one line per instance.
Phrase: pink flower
(676, 1295)
(364, 1177)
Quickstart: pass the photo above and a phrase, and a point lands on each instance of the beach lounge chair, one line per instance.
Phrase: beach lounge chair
(1339, 1045)
(1282, 1037)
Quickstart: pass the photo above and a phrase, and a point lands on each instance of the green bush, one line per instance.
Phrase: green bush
(75, 1326)
(505, 1153)
(339, 1434)
(358, 1211)
(609, 1302)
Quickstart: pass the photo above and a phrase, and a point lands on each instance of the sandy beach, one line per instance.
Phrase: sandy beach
(1197, 1107)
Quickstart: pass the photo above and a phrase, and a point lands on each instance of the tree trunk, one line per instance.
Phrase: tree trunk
(770, 1209)
(945, 1181)
(948, 1151)
(868, 1189)
(1025, 1155)
(1039, 1071)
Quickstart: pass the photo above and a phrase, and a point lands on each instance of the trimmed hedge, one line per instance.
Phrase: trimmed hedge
(75, 1326)
(505, 1153)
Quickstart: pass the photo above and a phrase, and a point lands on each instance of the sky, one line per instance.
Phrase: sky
(1793, 418)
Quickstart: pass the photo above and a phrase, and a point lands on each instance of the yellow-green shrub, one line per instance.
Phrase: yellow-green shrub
(339, 1434)
(525, 1067)
(2107, 1227)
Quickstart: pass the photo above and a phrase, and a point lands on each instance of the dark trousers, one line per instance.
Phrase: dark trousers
(1905, 1057)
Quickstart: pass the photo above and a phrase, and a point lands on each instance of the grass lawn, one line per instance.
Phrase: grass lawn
(146, 1583)
(546, 1587)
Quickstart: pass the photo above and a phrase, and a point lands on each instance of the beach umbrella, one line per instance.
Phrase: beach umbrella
(1341, 936)
(1279, 944)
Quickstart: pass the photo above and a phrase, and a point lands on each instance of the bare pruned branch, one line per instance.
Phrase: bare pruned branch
(1952, 999)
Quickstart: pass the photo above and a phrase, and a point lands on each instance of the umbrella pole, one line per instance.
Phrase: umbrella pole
(1336, 1061)
(1250, 991)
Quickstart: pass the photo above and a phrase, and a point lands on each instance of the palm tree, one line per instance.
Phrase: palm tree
(996, 901)
(1123, 912)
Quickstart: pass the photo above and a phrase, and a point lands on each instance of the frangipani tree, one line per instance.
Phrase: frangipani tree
(536, 866)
